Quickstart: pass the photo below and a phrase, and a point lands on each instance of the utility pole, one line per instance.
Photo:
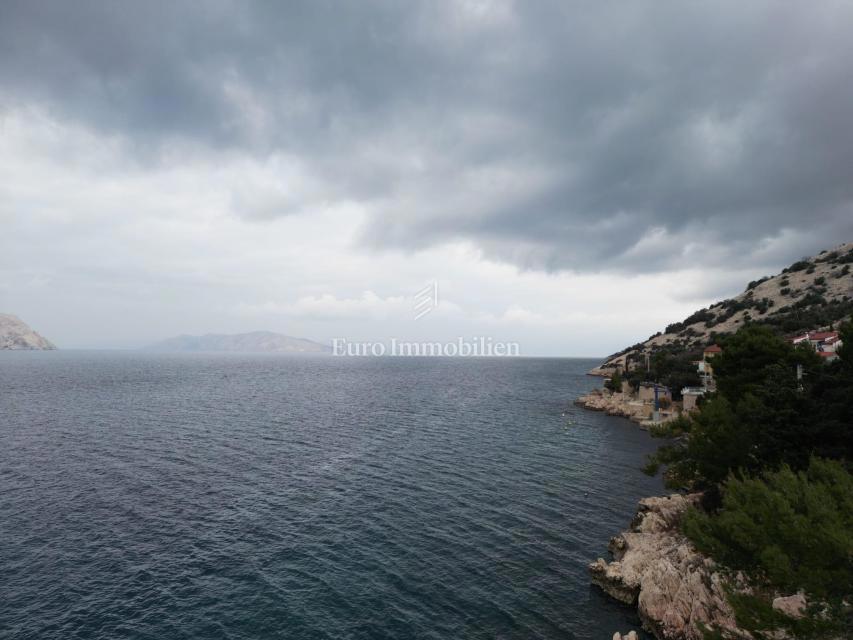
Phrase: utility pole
(656, 412)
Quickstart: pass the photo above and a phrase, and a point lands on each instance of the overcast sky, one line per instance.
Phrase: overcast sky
(574, 175)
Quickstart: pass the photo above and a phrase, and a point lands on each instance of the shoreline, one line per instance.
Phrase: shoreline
(656, 569)
(653, 567)
(623, 405)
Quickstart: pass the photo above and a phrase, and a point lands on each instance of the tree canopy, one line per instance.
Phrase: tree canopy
(771, 451)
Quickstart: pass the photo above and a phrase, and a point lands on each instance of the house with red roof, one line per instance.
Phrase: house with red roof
(818, 339)
(704, 368)
(825, 343)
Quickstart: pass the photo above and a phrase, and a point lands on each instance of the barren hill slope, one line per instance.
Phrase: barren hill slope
(812, 293)
(16, 335)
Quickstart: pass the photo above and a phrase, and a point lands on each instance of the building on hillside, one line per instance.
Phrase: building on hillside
(832, 343)
(711, 351)
(646, 393)
(690, 397)
(704, 368)
(823, 342)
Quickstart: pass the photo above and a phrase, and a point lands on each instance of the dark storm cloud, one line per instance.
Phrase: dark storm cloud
(553, 135)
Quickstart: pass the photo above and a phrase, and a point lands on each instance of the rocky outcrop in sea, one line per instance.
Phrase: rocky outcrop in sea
(676, 589)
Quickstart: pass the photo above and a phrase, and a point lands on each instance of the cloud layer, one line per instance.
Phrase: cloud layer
(552, 135)
(182, 167)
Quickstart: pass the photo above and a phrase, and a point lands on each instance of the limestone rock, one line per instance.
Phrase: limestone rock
(615, 404)
(17, 335)
(675, 588)
(792, 606)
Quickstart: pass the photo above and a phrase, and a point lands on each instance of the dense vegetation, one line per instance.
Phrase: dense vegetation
(793, 529)
(774, 505)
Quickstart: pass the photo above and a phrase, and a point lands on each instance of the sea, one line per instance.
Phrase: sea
(160, 496)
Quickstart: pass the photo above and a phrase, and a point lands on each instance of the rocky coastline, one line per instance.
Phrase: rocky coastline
(655, 568)
(676, 590)
(623, 405)
(614, 404)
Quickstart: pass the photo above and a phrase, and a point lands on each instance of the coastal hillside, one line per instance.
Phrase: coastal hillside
(253, 342)
(16, 335)
(813, 293)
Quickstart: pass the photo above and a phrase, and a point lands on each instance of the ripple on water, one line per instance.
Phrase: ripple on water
(222, 496)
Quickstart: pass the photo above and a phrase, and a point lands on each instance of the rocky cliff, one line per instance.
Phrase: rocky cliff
(810, 294)
(676, 590)
(15, 334)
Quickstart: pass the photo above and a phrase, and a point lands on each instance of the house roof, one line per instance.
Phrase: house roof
(827, 354)
(714, 348)
(822, 335)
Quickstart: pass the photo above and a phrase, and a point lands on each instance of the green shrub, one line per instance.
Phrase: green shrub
(847, 258)
(800, 265)
(789, 531)
(615, 382)
(762, 415)
(755, 283)
(794, 529)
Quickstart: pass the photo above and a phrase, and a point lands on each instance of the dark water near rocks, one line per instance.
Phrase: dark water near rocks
(225, 496)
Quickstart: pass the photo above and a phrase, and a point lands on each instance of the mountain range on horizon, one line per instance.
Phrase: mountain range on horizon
(251, 342)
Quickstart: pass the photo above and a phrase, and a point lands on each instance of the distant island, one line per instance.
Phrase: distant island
(253, 342)
(16, 335)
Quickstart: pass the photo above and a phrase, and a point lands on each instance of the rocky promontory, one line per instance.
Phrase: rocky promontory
(626, 404)
(615, 404)
(16, 335)
(676, 590)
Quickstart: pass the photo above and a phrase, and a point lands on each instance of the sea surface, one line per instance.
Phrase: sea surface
(235, 496)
